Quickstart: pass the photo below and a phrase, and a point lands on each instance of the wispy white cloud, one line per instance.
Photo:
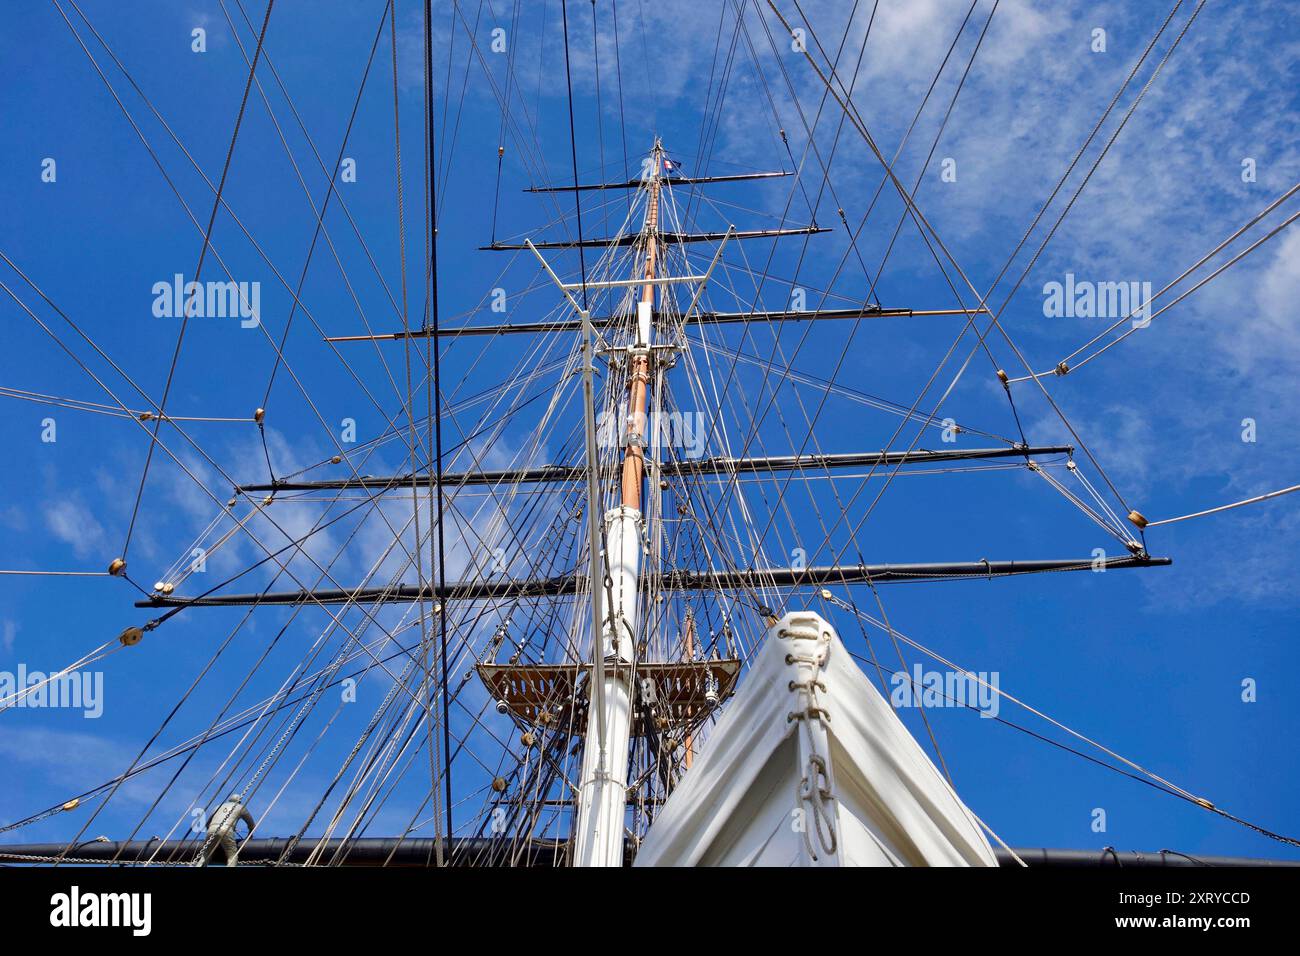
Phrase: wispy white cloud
(72, 522)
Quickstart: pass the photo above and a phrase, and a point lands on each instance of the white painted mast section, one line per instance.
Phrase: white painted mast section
(602, 798)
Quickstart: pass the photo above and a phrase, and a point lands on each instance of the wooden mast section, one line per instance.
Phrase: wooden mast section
(639, 367)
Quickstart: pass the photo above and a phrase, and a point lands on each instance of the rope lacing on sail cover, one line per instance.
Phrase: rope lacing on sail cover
(813, 789)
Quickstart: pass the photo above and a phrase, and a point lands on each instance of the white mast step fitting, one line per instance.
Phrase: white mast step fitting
(810, 766)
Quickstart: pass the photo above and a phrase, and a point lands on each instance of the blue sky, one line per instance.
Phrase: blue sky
(1150, 663)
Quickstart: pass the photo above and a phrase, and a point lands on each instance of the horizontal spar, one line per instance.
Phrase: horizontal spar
(671, 181)
(705, 466)
(677, 580)
(631, 283)
(671, 238)
(697, 318)
(476, 851)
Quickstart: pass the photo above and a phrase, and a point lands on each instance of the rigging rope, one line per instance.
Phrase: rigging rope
(435, 392)
(1235, 504)
(207, 239)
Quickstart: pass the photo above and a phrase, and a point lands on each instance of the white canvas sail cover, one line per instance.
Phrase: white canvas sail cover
(810, 766)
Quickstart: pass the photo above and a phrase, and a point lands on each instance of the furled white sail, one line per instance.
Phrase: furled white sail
(810, 766)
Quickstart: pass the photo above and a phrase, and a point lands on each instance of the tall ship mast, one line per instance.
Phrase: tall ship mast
(603, 784)
(625, 619)
(596, 588)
